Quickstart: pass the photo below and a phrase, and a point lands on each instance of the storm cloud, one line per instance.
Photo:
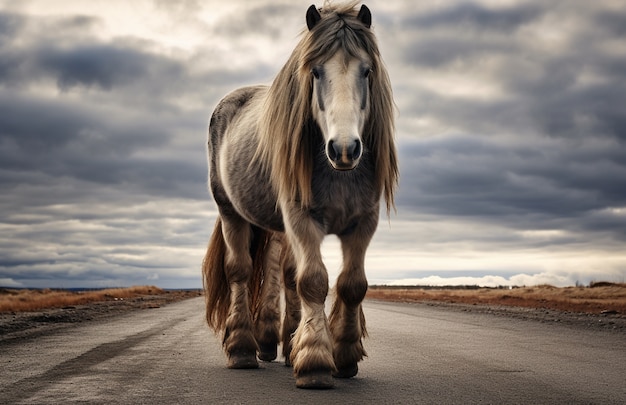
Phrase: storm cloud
(511, 133)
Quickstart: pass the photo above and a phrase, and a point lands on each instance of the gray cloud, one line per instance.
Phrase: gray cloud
(549, 88)
(476, 17)
(527, 185)
(105, 66)
(267, 20)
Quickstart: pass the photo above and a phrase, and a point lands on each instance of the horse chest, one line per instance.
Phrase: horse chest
(341, 199)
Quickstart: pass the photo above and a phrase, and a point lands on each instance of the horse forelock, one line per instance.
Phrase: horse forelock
(286, 144)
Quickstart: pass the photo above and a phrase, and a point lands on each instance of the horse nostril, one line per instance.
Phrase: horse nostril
(354, 150)
(334, 150)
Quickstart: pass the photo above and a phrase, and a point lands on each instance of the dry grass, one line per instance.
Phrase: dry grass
(14, 300)
(599, 298)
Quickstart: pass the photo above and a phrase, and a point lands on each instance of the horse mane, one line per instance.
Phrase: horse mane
(287, 146)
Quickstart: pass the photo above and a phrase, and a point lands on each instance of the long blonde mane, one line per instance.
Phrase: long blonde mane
(286, 147)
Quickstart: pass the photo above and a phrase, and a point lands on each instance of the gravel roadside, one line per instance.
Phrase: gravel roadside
(15, 326)
(610, 322)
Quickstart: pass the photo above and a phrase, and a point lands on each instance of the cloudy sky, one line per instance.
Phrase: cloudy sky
(511, 133)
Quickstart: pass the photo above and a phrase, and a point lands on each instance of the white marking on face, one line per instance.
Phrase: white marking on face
(340, 107)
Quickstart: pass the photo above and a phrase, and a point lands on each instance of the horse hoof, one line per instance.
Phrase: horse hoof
(267, 352)
(317, 380)
(346, 372)
(242, 361)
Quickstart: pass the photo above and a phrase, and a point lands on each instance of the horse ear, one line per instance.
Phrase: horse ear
(312, 17)
(365, 16)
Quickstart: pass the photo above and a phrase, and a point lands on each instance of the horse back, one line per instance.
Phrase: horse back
(238, 182)
(230, 108)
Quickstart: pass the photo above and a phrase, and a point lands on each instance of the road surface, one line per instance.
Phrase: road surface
(417, 354)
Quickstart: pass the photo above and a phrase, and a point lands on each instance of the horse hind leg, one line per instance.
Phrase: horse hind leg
(267, 305)
(291, 317)
(239, 342)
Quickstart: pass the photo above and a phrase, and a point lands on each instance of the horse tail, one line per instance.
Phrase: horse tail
(216, 288)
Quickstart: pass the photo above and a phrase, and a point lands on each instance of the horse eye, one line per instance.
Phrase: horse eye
(366, 73)
(315, 73)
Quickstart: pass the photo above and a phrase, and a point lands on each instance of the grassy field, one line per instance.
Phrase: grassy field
(22, 300)
(597, 298)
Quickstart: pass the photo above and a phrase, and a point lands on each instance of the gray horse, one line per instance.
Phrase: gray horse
(308, 156)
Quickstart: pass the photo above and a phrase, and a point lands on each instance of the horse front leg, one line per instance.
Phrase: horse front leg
(239, 342)
(311, 354)
(347, 322)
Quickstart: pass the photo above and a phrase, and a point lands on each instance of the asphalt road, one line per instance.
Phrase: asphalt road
(417, 354)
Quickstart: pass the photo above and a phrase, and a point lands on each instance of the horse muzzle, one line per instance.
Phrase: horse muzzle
(344, 155)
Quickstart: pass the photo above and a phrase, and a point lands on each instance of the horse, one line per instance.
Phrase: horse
(312, 154)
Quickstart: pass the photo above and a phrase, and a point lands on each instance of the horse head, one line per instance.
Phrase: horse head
(333, 86)
(340, 95)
